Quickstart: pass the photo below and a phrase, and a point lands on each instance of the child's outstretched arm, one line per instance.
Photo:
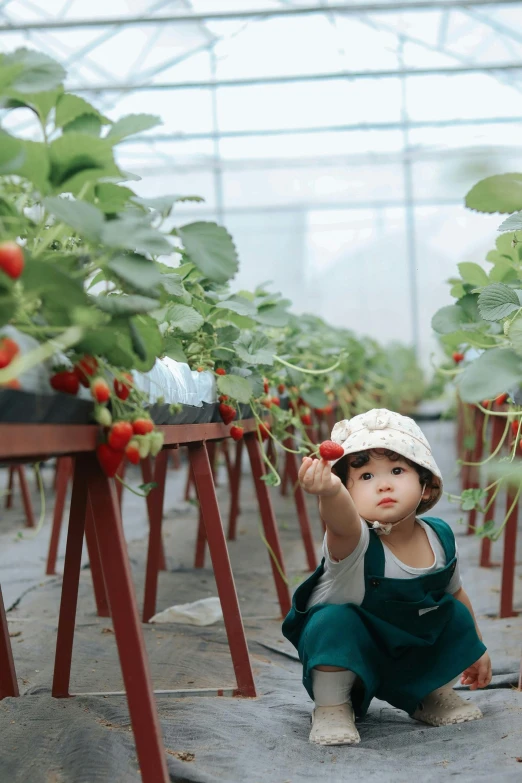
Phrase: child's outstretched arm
(479, 674)
(337, 509)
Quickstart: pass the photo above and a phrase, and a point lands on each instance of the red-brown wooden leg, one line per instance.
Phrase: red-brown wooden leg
(508, 561)
(286, 476)
(155, 502)
(485, 548)
(176, 461)
(269, 522)
(222, 570)
(120, 474)
(8, 683)
(146, 473)
(26, 496)
(100, 593)
(64, 469)
(127, 629)
(71, 579)
(201, 539)
(476, 456)
(10, 488)
(302, 512)
(235, 484)
(188, 484)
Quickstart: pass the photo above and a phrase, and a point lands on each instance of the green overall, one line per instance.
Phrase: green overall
(407, 638)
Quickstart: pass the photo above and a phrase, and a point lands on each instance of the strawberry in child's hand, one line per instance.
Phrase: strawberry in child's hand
(142, 426)
(11, 259)
(65, 381)
(85, 369)
(120, 435)
(457, 357)
(236, 433)
(100, 390)
(330, 450)
(109, 459)
(132, 452)
(227, 413)
(501, 399)
(122, 388)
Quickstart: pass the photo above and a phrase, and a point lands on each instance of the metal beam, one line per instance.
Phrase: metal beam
(295, 79)
(225, 16)
(361, 126)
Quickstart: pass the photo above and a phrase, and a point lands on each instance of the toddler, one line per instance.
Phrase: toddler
(385, 614)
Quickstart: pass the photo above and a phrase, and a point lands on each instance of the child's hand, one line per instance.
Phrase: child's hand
(479, 674)
(316, 478)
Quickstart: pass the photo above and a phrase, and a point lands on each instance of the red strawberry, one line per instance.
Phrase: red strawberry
(227, 413)
(486, 403)
(100, 390)
(223, 397)
(501, 399)
(132, 452)
(281, 388)
(109, 459)
(221, 371)
(457, 357)
(264, 431)
(142, 426)
(276, 401)
(330, 450)
(236, 433)
(328, 409)
(514, 427)
(122, 389)
(85, 369)
(5, 359)
(65, 381)
(11, 259)
(306, 419)
(266, 401)
(266, 385)
(120, 434)
(14, 384)
(9, 346)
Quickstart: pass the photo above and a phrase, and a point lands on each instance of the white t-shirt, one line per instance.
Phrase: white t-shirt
(343, 582)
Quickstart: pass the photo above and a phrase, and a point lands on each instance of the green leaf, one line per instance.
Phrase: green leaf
(85, 123)
(132, 124)
(69, 107)
(78, 153)
(499, 193)
(273, 316)
(255, 349)
(173, 284)
(512, 223)
(111, 198)
(492, 373)
(227, 334)
(234, 386)
(36, 165)
(238, 304)
(184, 318)
(173, 348)
(502, 272)
(473, 274)
(211, 249)
(135, 233)
(448, 319)
(515, 335)
(241, 321)
(141, 273)
(112, 342)
(457, 290)
(7, 308)
(145, 330)
(497, 301)
(164, 204)
(31, 71)
(84, 218)
(315, 397)
(120, 304)
(12, 154)
(40, 102)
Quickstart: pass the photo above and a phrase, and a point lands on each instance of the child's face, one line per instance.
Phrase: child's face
(385, 490)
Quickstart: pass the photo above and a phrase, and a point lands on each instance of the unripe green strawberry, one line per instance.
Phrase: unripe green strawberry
(103, 415)
(156, 442)
(143, 445)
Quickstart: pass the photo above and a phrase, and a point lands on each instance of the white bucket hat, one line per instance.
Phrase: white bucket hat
(384, 429)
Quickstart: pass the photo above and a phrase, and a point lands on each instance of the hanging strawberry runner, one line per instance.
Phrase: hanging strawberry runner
(96, 285)
(481, 334)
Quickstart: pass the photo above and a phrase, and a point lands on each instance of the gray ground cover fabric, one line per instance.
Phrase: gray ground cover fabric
(87, 739)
